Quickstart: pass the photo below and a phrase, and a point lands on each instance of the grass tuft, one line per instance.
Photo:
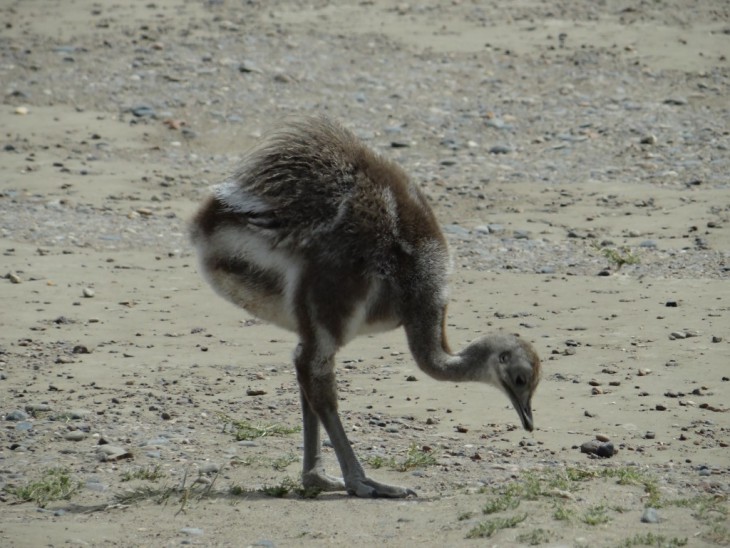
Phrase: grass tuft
(55, 484)
(487, 528)
(247, 431)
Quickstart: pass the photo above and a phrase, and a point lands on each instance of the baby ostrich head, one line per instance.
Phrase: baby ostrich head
(512, 365)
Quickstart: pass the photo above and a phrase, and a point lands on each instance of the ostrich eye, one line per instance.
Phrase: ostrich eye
(504, 357)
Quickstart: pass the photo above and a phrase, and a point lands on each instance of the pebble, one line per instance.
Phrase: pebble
(77, 414)
(210, 468)
(95, 484)
(16, 415)
(14, 278)
(143, 111)
(111, 453)
(599, 448)
(37, 407)
(650, 435)
(88, 292)
(22, 111)
(500, 149)
(75, 435)
(650, 515)
(155, 441)
(192, 531)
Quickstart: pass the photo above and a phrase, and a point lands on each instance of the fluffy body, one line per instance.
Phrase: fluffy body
(319, 235)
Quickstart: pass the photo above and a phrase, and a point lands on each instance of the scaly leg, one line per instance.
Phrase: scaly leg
(319, 399)
(313, 474)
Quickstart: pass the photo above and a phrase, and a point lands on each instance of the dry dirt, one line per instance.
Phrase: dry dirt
(547, 135)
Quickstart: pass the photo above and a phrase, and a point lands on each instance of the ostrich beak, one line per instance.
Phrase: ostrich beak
(523, 406)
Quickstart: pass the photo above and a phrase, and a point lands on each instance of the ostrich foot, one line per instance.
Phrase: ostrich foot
(366, 487)
(317, 478)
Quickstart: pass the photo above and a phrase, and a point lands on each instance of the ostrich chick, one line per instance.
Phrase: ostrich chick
(319, 235)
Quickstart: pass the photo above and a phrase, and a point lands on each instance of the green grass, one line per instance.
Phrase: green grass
(563, 513)
(416, 457)
(247, 431)
(151, 473)
(54, 484)
(534, 537)
(487, 528)
(596, 515)
(500, 503)
(617, 257)
(281, 463)
(650, 539)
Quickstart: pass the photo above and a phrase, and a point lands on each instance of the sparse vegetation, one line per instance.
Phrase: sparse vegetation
(501, 503)
(563, 513)
(488, 528)
(617, 257)
(596, 515)
(416, 457)
(54, 484)
(246, 431)
(151, 473)
(650, 539)
(282, 462)
(534, 537)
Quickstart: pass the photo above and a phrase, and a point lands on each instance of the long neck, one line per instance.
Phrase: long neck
(430, 348)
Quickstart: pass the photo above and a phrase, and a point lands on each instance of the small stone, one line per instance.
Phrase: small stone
(210, 468)
(13, 277)
(602, 437)
(16, 415)
(75, 435)
(649, 244)
(192, 531)
(596, 391)
(675, 101)
(677, 335)
(590, 447)
(77, 414)
(500, 149)
(650, 515)
(22, 111)
(649, 139)
(111, 453)
(255, 392)
(672, 304)
(644, 372)
(248, 67)
(87, 292)
(650, 435)
(411, 378)
(462, 429)
(716, 339)
(660, 407)
(606, 450)
(143, 111)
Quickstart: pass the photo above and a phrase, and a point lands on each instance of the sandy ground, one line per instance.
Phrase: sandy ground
(542, 132)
